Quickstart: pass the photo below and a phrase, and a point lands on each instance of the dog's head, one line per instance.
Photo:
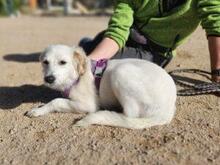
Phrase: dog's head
(62, 65)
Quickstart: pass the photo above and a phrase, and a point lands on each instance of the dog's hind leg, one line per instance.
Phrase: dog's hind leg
(111, 118)
(137, 115)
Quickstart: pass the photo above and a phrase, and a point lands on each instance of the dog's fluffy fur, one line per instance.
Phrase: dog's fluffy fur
(145, 91)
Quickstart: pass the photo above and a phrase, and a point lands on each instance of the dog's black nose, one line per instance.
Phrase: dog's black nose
(49, 79)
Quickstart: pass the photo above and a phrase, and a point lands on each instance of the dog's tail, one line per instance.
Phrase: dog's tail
(119, 120)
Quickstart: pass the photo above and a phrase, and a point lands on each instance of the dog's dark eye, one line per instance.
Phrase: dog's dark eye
(62, 62)
(46, 62)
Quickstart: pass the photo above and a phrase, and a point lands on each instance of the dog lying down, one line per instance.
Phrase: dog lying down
(146, 93)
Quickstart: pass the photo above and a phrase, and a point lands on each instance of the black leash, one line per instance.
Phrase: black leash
(194, 87)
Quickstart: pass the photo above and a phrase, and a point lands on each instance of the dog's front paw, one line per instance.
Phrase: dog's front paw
(35, 112)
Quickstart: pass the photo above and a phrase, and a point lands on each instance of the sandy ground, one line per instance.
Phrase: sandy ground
(193, 137)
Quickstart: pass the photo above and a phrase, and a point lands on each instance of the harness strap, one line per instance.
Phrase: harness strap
(98, 68)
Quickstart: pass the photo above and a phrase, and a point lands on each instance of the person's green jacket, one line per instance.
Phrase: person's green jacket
(162, 23)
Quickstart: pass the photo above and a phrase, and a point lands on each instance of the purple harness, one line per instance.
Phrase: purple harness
(97, 68)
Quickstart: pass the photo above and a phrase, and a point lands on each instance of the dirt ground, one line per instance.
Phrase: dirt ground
(193, 137)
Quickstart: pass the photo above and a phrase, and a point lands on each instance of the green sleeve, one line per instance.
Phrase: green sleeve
(209, 12)
(120, 22)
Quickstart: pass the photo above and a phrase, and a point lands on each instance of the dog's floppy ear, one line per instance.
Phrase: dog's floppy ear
(80, 56)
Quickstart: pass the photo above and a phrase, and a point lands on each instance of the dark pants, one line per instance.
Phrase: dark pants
(131, 50)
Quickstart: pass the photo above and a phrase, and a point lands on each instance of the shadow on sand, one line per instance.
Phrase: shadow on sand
(12, 97)
(24, 58)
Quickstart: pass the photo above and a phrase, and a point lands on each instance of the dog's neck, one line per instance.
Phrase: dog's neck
(91, 77)
(66, 91)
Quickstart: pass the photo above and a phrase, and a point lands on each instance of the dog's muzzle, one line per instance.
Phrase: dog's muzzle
(49, 79)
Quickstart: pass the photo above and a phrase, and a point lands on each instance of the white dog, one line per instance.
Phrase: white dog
(145, 91)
